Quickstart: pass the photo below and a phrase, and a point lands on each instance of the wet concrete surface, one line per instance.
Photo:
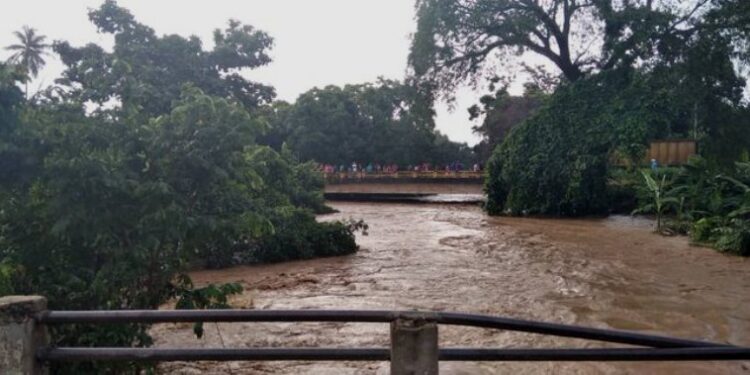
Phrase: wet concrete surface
(607, 273)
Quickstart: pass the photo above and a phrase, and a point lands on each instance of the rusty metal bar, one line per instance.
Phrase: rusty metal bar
(367, 316)
(251, 354)
(381, 354)
(563, 330)
(610, 354)
(220, 315)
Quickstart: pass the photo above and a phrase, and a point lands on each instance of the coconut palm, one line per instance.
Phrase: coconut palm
(28, 52)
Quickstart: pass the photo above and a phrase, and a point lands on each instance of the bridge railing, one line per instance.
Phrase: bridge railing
(413, 349)
(426, 175)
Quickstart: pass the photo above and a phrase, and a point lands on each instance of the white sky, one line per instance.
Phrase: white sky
(317, 43)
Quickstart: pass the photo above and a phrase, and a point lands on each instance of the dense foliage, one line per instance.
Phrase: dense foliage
(108, 213)
(385, 122)
(146, 72)
(556, 162)
(107, 206)
(628, 72)
(706, 201)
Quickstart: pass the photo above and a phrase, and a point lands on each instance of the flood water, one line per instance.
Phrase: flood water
(608, 273)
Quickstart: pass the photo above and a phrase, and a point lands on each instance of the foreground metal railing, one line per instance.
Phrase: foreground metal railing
(414, 340)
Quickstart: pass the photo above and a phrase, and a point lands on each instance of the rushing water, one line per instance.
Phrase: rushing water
(609, 273)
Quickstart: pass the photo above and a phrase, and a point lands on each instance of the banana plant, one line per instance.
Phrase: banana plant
(659, 203)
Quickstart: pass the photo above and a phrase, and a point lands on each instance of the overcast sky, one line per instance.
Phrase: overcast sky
(317, 43)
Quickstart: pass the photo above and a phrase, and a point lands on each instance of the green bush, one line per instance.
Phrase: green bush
(297, 236)
(555, 163)
(708, 201)
(718, 202)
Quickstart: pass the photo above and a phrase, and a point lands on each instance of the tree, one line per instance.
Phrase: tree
(631, 71)
(115, 210)
(465, 39)
(501, 113)
(383, 122)
(11, 103)
(109, 208)
(732, 16)
(28, 52)
(145, 72)
(11, 98)
(659, 203)
(276, 119)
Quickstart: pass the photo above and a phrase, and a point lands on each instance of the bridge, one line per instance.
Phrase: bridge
(404, 185)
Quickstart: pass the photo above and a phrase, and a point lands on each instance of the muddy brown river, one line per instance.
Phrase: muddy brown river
(608, 273)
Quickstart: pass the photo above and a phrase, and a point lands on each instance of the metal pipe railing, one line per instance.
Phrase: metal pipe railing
(368, 316)
(382, 354)
(414, 340)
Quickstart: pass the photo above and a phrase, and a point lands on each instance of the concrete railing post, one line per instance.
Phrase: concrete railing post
(414, 347)
(20, 336)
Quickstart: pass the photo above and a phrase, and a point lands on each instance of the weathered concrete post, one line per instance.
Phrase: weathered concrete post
(414, 347)
(20, 336)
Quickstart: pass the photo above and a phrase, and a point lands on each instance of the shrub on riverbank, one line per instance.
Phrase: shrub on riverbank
(710, 203)
(296, 237)
(555, 163)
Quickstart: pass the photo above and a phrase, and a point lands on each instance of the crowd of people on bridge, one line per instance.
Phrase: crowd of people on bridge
(378, 168)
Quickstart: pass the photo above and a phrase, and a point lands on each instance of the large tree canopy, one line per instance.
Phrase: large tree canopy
(146, 72)
(458, 40)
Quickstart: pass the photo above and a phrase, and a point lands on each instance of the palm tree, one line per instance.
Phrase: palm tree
(28, 52)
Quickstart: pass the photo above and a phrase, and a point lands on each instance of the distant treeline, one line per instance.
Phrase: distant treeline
(386, 122)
